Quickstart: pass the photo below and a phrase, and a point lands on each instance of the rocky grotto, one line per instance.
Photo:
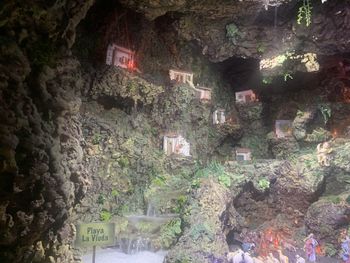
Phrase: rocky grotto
(198, 127)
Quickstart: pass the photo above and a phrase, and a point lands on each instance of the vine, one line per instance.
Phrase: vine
(304, 13)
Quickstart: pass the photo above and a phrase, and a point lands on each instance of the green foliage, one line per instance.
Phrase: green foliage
(144, 227)
(123, 162)
(330, 250)
(115, 193)
(300, 113)
(326, 112)
(260, 48)
(180, 204)
(231, 30)
(264, 184)
(287, 76)
(101, 199)
(216, 170)
(318, 135)
(225, 180)
(96, 138)
(304, 13)
(201, 230)
(122, 210)
(105, 215)
(122, 225)
(267, 80)
(170, 232)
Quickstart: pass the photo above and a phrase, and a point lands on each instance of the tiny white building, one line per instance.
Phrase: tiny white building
(181, 76)
(243, 154)
(283, 128)
(245, 96)
(120, 57)
(175, 144)
(203, 94)
(219, 116)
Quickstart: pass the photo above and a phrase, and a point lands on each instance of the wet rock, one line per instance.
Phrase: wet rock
(282, 148)
(325, 219)
(300, 123)
(204, 235)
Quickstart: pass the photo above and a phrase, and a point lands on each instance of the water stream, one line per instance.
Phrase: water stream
(135, 247)
(110, 255)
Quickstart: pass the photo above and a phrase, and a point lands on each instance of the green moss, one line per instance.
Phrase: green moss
(333, 198)
(105, 215)
(96, 138)
(101, 199)
(123, 162)
(264, 184)
(201, 230)
(232, 32)
(170, 232)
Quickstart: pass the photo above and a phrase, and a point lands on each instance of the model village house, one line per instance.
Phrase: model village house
(243, 154)
(283, 128)
(120, 57)
(246, 96)
(174, 143)
(219, 117)
(181, 76)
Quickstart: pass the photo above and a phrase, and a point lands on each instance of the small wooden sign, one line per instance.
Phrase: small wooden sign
(95, 234)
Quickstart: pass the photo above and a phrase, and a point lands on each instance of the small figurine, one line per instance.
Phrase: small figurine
(345, 249)
(299, 259)
(323, 151)
(310, 248)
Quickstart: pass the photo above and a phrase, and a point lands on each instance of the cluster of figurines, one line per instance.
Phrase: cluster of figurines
(272, 247)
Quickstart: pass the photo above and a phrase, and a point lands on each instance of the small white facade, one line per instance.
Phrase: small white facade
(219, 116)
(243, 154)
(283, 128)
(245, 96)
(120, 57)
(204, 94)
(181, 76)
(175, 144)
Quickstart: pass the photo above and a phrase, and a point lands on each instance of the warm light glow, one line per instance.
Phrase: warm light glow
(131, 65)
(334, 133)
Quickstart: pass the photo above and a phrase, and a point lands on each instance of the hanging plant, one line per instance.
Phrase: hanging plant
(304, 13)
(326, 112)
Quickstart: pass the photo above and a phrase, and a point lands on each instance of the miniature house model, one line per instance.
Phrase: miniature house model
(243, 154)
(181, 76)
(245, 96)
(219, 116)
(204, 94)
(283, 128)
(175, 144)
(120, 57)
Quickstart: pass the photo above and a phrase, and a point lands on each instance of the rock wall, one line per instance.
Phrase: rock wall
(42, 176)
